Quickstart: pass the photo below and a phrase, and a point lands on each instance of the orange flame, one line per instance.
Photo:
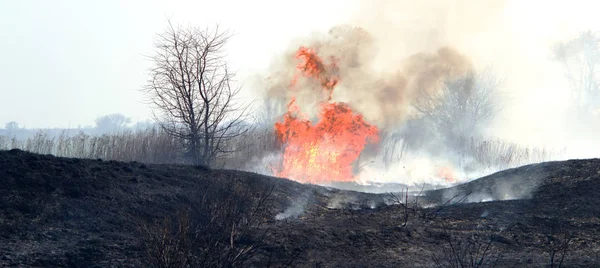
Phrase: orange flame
(323, 151)
(447, 174)
(312, 66)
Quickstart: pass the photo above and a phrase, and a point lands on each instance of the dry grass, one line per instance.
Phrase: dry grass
(466, 252)
(226, 233)
(499, 152)
(157, 147)
(467, 155)
(148, 146)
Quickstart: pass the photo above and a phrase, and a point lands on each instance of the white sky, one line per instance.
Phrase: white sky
(64, 63)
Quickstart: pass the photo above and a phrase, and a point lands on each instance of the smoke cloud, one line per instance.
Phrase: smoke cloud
(394, 52)
(383, 97)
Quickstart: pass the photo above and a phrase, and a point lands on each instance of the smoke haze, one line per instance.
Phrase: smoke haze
(387, 54)
(392, 53)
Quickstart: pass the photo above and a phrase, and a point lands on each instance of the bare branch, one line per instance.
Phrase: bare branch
(190, 91)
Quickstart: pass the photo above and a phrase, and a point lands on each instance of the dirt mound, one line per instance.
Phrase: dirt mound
(85, 213)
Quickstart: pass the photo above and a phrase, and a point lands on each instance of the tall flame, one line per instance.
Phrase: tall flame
(326, 150)
(312, 66)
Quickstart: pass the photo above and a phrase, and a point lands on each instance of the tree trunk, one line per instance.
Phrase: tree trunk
(207, 136)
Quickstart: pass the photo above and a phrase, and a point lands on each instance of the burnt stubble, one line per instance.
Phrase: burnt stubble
(88, 212)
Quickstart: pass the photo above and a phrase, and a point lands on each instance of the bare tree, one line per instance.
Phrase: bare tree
(111, 123)
(580, 59)
(12, 125)
(462, 106)
(191, 92)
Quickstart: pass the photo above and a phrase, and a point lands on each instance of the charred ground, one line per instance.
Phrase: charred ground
(84, 213)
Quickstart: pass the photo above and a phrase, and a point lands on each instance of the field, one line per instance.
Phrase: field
(67, 212)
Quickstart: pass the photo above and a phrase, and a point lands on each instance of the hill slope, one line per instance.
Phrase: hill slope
(85, 213)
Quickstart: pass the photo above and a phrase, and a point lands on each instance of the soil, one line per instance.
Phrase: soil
(62, 212)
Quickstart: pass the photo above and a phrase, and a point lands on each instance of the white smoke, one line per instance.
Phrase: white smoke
(341, 201)
(375, 81)
(264, 164)
(296, 209)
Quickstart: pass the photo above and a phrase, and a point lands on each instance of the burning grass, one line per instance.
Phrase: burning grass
(323, 151)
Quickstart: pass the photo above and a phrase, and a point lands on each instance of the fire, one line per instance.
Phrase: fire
(326, 150)
(312, 66)
(447, 174)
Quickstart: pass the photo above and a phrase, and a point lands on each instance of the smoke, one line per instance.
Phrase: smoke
(263, 164)
(392, 56)
(512, 188)
(342, 201)
(294, 210)
(413, 173)
(383, 97)
(387, 56)
(382, 82)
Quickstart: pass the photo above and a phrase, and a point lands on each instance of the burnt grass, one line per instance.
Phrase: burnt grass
(63, 212)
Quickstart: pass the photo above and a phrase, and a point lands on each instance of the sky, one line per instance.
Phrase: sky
(66, 62)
